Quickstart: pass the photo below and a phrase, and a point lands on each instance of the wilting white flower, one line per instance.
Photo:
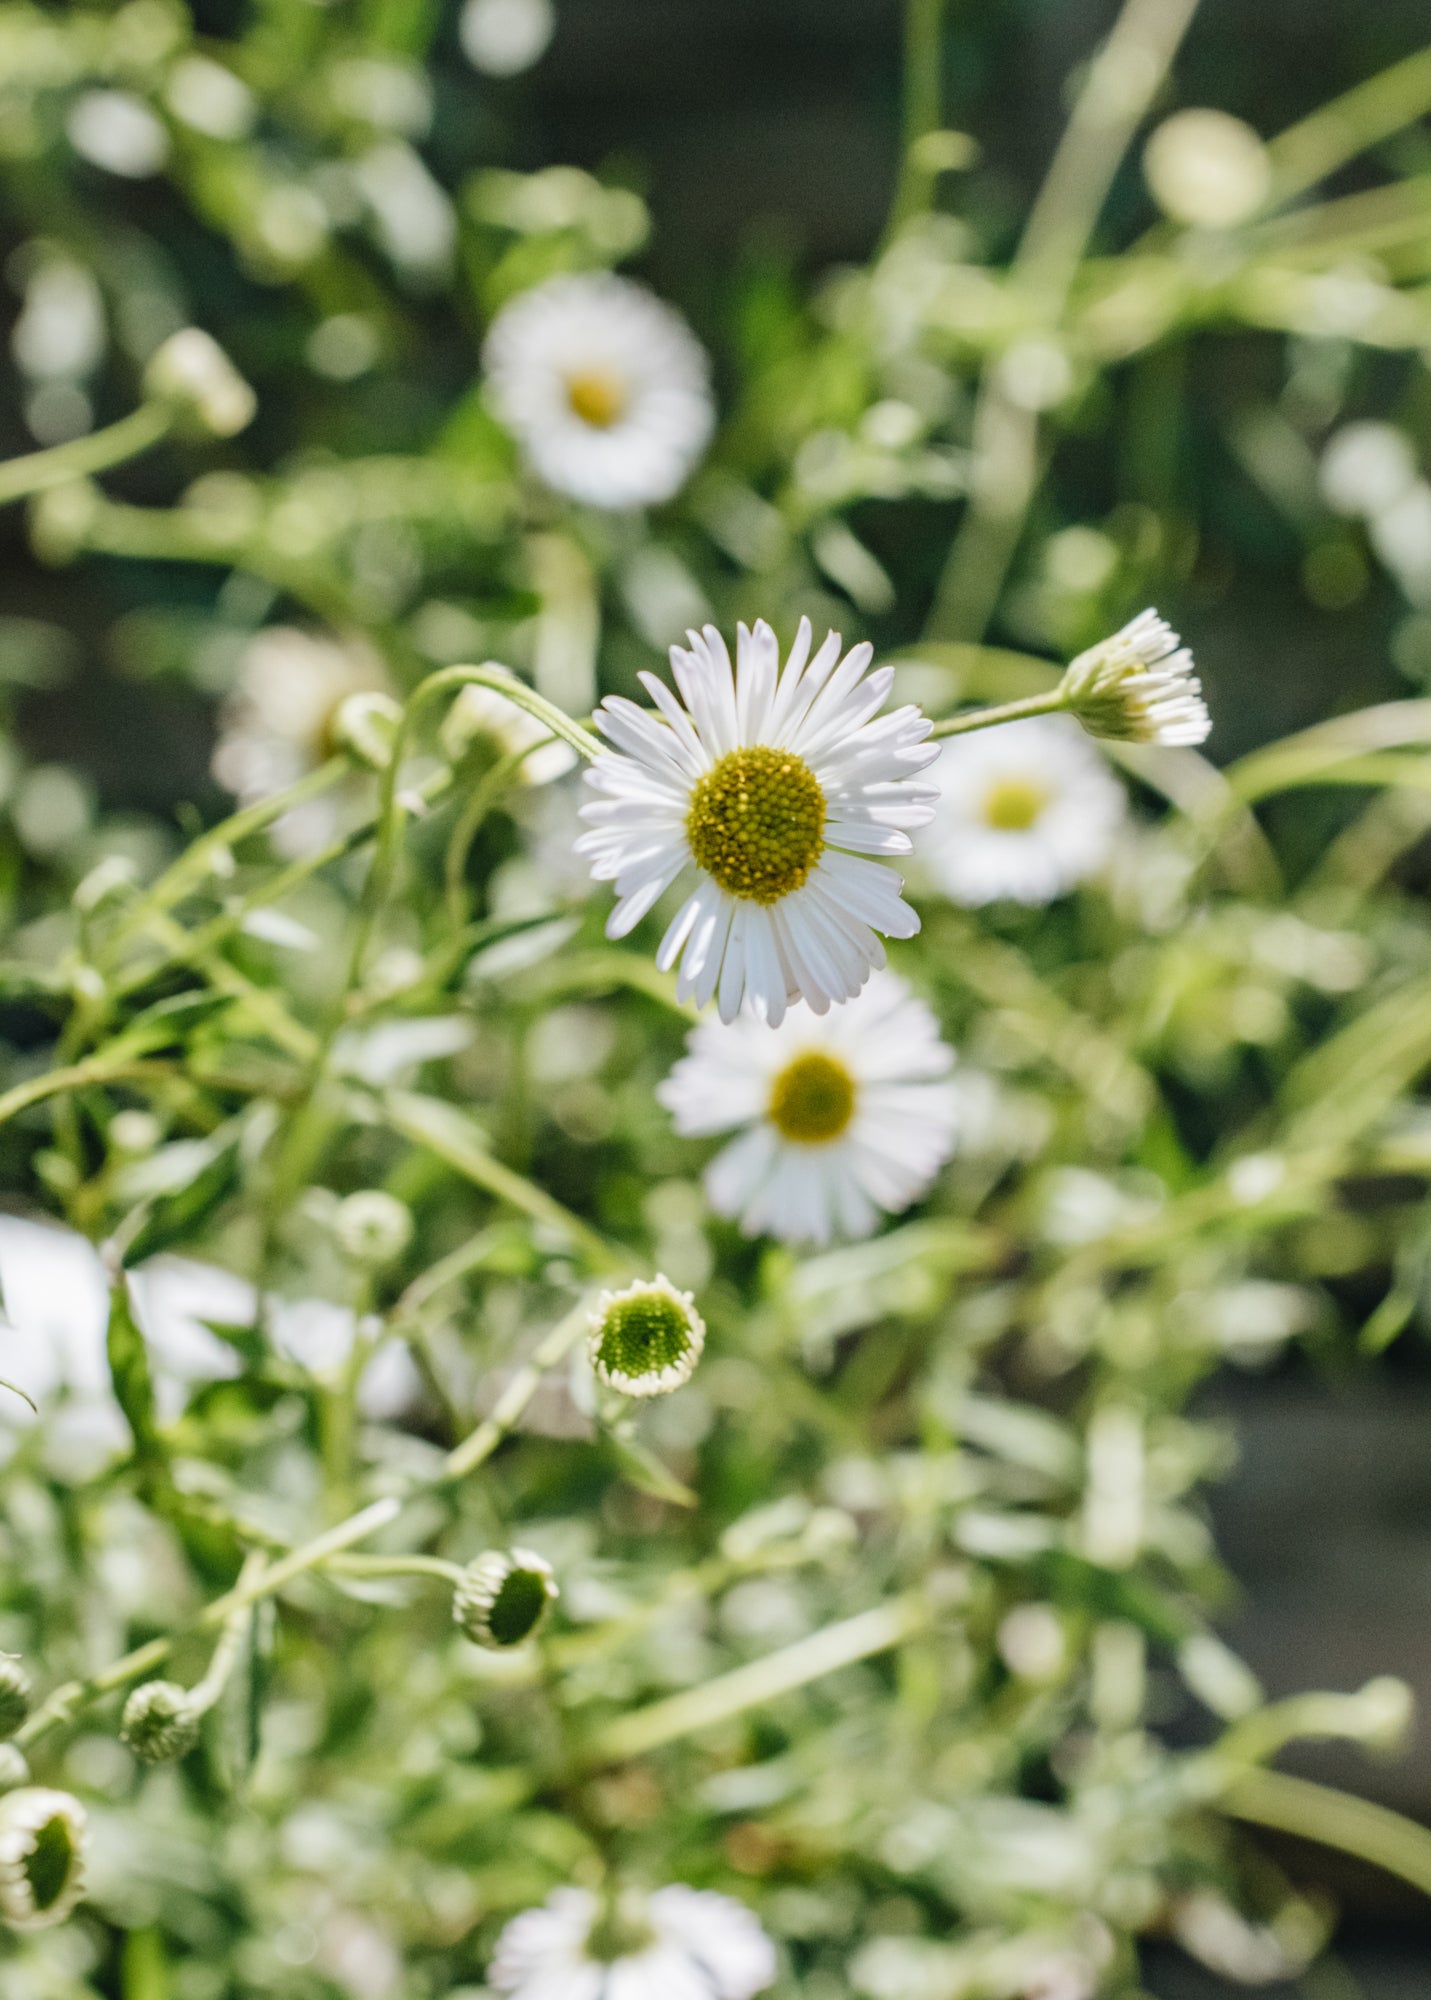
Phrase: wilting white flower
(42, 1856)
(1026, 811)
(278, 722)
(839, 1117)
(480, 712)
(647, 1339)
(604, 385)
(1138, 686)
(678, 1944)
(776, 789)
(1207, 168)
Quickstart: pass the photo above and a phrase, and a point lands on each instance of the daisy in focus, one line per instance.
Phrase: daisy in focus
(840, 1118)
(781, 791)
(1026, 811)
(679, 1944)
(605, 387)
(1138, 687)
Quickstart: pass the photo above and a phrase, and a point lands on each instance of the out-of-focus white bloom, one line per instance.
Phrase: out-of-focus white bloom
(1138, 686)
(1208, 1927)
(778, 789)
(1026, 811)
(192, 372)
(412, 215)
(604, 385)
(117, 131)
(840, 1118)
(210, 98)
(60, 331)
(1366, 468)
(1401, 536)
(42, 1857)
(1035, 374)
(1207, 168)
(679, 1944)
(480, 712)
(504, 37)
(277, 724)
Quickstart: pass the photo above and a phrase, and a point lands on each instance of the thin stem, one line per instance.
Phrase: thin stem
(414, 1565)
(923, 105)
(232, 1640)
(39, 470)
(1334, 1819)
(990, 718)
(1337, 131)
(841, 1645)
(485, 795)
(478, 1448)
(77, 1076)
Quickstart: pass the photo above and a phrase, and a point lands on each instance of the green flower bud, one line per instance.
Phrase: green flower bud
(503, 1598)
(646, 1340)
(160, 1722)
(192, 374)
(15, 1693)
(373, 1227)
(42, 1855)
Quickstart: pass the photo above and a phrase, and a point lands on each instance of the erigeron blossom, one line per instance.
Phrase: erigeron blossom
(482, 714)
(678, 1944)
(781, 793)
(839, 1118)
(1026, 812)
(647, 1339)
(604, 386)
(503, 1597)
(42, 1857)
(1138, 687)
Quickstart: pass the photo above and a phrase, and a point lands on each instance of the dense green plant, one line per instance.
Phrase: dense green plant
(879, 1622)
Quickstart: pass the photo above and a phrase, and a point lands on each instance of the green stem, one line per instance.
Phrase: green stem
(414, 1565)
(923, 105)
(1336, 132)
(232, 1641)
(39, 470)
(825, 1652)
(990, 718)
(478, 1448)
(1334, 1819)
(77, 1076)
(485, 795)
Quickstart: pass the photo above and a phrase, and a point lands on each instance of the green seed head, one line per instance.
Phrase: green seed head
(646, 1340)
(756, 823)
(160, 1722)
(504, 1597)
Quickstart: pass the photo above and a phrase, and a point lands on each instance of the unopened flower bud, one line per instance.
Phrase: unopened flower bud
(646, 1340)
(365, 726)
(503, 1597)
(192, 374)
(42, 1854)
(373, 1227)
(1385, 1710)
(14, 1694)
(160, 1722)
(14, 1770)
(1138, 687)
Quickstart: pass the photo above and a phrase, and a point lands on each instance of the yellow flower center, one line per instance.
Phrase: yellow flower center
(756, 823)
(598, 397)
(1012, 805)
(812, 1100)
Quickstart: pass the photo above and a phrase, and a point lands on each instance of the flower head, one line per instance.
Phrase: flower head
(604, 385)
(775, 789)
(840, 1118)
(1027, 811)
(1138, 686)
(678, 1944)
(503, 1597)
(160, 1722)
(646, 1340)
(42, 1851)
(373, 1227)
(14, 1694)
(195, 377)
(481, 714)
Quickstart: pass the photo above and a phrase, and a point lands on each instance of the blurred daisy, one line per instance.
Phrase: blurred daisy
(481, 715)
(839, 1118)
(1138, 686)
(278, 723)
(1026, 811)
(776, 789)
(679, 1944)
(604, 385)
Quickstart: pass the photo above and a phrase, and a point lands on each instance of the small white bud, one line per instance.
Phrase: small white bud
(646, 1340)
(160, 1722)
(373, 1227)
(1138, 687)
(503, 1597)
(192, 374)
(42, 1854)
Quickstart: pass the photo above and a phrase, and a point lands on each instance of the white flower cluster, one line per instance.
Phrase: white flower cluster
(678, 1944)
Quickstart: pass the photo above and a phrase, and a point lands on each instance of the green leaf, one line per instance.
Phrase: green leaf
(129, 1371)
(172, 1218)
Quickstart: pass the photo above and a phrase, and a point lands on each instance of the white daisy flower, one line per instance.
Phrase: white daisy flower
(678, 1944)
(1138, 686)
(778, 790)
(840, 1117)
(604, 385)
(1027, 811)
